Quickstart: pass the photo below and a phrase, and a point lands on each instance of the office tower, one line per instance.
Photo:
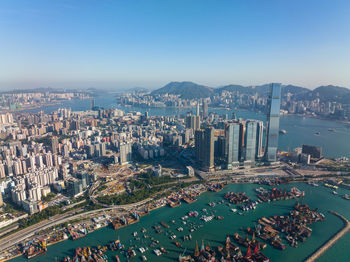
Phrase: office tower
(242, 130)
(193, 122)
(273, 122)
(205, 108)
(250, 140)
(204, 147)
(260, 138)
(209, 147)
(197, 113)
(232, 134)
(198, 139)
(54, 145)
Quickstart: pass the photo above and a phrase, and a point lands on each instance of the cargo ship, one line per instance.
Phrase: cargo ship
(34, 250)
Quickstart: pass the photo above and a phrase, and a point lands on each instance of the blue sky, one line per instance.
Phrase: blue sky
(123, 44)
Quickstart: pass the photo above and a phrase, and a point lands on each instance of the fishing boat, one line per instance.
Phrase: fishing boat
(346, 196)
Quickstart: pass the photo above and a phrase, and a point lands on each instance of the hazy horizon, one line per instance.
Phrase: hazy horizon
(150, 88)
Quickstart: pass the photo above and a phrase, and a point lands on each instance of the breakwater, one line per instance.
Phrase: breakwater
(319, 252)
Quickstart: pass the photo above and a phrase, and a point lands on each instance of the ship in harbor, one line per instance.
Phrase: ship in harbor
(283, 131)
(33, 250)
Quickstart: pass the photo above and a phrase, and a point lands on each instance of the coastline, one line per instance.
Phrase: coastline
(151, 209)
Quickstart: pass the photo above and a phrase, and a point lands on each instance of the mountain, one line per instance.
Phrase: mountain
(332, 93)
(190, 90)
(295, 89)
(186, 90)
(232, 88)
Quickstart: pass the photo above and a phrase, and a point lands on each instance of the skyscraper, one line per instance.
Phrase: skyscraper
(260, 138)
(232, 133)
(204, 147)
(209, 148)
(273, 122)
(193, 122)
(250, 140)
(205, 108)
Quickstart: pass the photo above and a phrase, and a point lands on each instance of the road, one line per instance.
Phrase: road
(16, 238)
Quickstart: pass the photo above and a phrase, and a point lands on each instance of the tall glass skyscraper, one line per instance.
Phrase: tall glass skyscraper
(250, 140)
(273, 122)
(232, 131)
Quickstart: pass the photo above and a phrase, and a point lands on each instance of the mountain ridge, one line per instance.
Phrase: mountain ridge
(191, 90)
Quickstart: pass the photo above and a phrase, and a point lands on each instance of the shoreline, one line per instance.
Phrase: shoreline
(337, 236)
(157, 207)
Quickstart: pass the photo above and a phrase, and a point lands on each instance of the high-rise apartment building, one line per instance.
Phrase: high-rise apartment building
(273, 122)
(193, 122)
(125, 151)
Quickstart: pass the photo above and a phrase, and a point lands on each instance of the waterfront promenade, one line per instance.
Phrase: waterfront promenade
(319, 252)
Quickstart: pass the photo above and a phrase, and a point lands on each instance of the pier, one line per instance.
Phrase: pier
(319, 252)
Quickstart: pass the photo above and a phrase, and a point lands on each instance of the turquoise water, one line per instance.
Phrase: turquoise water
(215, 231)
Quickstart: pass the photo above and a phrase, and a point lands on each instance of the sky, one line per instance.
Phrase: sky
(148, 43)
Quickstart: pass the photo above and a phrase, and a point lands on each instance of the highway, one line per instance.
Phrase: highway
(16, 238)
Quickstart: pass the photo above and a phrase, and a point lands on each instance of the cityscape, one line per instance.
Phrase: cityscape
(101, 161)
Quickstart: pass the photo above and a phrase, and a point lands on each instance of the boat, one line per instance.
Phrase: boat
(334, 192)
(317, 133)
(117, 258)
(37, 253)
(331, 129)
(164, 224)
(283, 131)
(157, 252)
(219, 217)
(234, 210)
(144, 258)
(346, 196)
(177, 244)
(331, 186)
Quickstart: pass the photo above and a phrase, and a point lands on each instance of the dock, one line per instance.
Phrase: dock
(319, 252)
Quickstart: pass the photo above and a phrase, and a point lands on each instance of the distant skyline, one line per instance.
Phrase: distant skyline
(147, 43)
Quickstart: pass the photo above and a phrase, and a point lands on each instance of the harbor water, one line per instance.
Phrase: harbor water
(214, 232)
